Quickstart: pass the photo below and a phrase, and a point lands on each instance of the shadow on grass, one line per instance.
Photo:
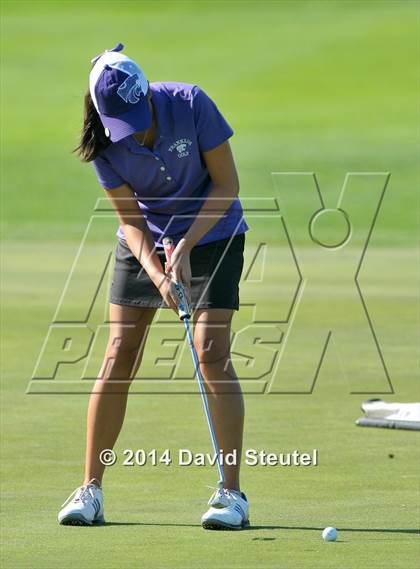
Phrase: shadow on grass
(274, 527)
(368, 530)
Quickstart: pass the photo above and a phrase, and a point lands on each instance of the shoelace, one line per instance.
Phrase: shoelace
(221, 498)
(86, 492)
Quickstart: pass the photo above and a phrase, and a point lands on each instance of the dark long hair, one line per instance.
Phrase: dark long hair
(92, 138)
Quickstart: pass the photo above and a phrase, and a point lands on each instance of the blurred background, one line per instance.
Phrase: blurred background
(320, 86)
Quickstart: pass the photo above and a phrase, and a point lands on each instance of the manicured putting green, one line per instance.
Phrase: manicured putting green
(329, 87)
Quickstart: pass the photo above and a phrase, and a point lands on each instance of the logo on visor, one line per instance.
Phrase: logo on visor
(130, 91)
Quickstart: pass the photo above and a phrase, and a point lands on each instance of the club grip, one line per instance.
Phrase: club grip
(183, 308)
(168, 247)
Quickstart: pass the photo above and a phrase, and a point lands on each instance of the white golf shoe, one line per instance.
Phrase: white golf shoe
(229, 509)
(83, 507)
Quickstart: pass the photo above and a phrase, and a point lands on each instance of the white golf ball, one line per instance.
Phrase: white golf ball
(329, 534)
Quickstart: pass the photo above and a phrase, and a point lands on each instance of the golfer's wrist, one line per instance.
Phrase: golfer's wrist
(186, 244)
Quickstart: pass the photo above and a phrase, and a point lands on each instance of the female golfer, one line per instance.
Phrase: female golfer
(161, 152)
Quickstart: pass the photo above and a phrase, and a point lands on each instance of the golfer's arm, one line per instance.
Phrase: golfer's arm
(225, 188)
(137, 234)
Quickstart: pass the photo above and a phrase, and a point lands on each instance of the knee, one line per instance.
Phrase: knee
(122, 358)
(212, 342)
(215, 361)
(211, 351)
(122, 348)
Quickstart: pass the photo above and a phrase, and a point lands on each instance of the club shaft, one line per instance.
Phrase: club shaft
(205, 403)
(185, 317)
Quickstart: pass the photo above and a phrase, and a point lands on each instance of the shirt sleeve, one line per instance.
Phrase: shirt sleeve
(212, 128)
(106, 175)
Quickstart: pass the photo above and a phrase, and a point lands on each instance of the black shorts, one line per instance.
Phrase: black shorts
(216, 269)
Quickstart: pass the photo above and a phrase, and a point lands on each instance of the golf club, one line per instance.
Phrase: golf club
(185, 315)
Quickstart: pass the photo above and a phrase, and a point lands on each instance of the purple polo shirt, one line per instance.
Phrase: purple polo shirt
(171, 181)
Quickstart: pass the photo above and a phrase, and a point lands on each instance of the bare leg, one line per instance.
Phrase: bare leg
(107, 404)
(224, 394)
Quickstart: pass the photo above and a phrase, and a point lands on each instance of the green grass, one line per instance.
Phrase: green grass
(154, 511)
(320, 86)
(324, 86)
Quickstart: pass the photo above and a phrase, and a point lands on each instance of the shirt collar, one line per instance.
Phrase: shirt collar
(162, 105)
(164, 118)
